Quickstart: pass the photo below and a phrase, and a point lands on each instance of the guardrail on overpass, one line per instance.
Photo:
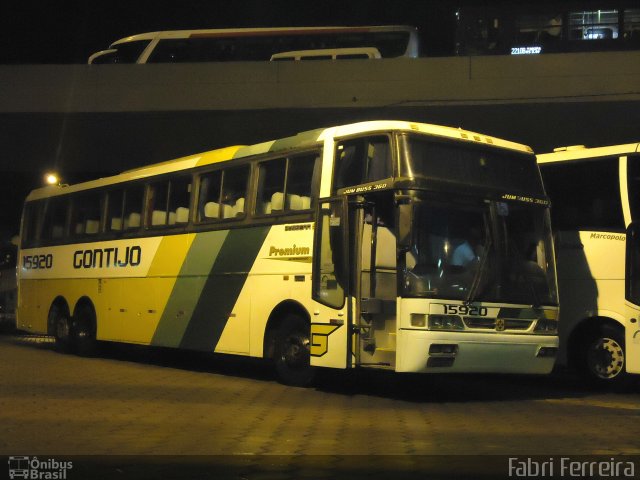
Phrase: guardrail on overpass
(583, 77)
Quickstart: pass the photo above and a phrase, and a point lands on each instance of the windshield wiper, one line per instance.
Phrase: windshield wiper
(477, 279)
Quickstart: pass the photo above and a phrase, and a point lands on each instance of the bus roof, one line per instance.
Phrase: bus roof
(301, 140)
(238, 32)
(579, 152)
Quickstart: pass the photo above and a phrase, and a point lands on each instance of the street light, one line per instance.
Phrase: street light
(52, 179)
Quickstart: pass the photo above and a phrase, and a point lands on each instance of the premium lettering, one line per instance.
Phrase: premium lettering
(288, 252)
(107, 257)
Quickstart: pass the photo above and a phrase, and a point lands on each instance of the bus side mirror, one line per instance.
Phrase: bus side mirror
(405, 226)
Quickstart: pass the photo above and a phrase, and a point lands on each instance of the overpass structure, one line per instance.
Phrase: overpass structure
(535, 99)
(107, 118)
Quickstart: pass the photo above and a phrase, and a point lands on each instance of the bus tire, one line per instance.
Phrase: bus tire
(61, 327)
(83, 330)
(291, 353)
(603, 356)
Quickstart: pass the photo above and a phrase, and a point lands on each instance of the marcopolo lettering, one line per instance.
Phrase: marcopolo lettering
(107, 257)
(608, 236)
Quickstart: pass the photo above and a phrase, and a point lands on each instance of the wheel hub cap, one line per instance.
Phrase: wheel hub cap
(606, 358)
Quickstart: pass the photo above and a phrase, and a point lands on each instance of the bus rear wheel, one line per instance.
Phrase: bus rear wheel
(61, 325)
(604, 356)
(291, 354)
(83, 331)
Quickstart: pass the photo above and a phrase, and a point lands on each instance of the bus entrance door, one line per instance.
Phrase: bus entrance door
(354, 273)
(331, 325)
(375, 287)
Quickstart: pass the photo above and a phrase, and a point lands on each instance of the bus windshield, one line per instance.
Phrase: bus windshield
(481, 251)
(487, 167)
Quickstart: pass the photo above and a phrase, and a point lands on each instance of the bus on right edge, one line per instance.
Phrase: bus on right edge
(595, 197)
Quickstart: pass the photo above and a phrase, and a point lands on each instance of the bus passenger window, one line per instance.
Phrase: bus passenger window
(209, 202)
(223, 193)
(32, 215)
(362, 160)
(132, 208)
(157, 204)
(55, 218)
(129, 52)
(234, 191)
(179, 200)
(169, 202)
(284, 184)
(271, 186)
(86, 214)
(114, 210)
(586, 194)
(300, 180)
(171, 51)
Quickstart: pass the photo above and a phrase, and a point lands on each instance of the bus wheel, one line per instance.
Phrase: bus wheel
(83, 330)
(291, 355)
(604, 356)
(59, 320)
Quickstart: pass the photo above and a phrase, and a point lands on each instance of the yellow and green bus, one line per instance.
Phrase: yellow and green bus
(382, 244)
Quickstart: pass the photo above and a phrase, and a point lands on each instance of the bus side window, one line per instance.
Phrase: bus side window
(33, 215)
(585, 194)
(171, 51)
(209, 201)
(123, 208)
(55, 218)
(115, 203)
(179, 200)
(362, 160)
(223, 194)
(86, 210)
(234, 191)
(132, 207)
(284, 184)
(271, 189)
(157, 204)
(169, 202)
(300, 195)
(129, 52)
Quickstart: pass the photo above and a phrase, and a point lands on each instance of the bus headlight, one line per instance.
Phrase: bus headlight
(546, 327)
(419, 320)
(445, 322)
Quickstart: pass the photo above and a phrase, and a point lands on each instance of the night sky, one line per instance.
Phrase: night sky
(68, 31)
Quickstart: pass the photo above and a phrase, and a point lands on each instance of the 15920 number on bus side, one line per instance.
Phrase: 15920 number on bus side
(37, 262)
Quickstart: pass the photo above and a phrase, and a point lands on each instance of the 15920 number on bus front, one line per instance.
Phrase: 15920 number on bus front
(37, 262)
(465, 310)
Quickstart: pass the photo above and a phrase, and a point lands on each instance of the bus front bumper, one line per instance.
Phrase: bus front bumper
(458, 352)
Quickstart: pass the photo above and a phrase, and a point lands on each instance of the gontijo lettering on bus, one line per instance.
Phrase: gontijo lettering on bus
(108, 257)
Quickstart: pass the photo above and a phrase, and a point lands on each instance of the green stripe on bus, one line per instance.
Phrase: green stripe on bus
(222, 287)
(188, 287)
